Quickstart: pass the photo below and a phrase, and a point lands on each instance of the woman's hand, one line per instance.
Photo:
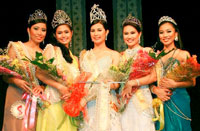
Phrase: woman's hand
(163, 93)
(167, 83)
(38, 90)
(22, 84)
(127, 92)
(65, 93)
(113, 85)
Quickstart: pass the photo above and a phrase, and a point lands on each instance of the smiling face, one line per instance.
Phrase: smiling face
(98, 33)
(131, 36)
(167, 34)
(63, 34)
(37, 32)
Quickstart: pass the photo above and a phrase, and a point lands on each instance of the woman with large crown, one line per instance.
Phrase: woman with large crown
(101, 97)
(53, 118)
(15, 118)
(138, 113)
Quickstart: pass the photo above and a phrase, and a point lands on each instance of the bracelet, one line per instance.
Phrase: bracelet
(138, 82)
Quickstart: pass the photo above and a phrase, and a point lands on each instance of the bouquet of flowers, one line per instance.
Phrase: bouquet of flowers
(72, 106)
(135, 68)
(122, 71)
(143, 64)
(181, 72)
(46, 65)
(185, 71)
(10, 66)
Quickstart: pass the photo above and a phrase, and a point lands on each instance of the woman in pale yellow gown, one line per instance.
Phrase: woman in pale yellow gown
(53, 118)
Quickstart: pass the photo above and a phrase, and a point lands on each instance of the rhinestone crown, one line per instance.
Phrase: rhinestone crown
(97, 14)
(167, 19)
(60, 17)
(132, 19)
(38, 14)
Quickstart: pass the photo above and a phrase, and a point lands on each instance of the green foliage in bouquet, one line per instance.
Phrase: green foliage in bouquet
(122, 71)
(44, 64)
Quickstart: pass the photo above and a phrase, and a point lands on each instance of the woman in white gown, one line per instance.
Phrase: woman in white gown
(138, 113)
(101, 99)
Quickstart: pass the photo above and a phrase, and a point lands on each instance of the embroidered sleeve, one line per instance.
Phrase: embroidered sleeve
(49, 52)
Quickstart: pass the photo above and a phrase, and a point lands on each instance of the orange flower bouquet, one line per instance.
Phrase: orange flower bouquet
(185, 71)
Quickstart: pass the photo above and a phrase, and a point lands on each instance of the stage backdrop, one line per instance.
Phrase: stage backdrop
(76, 9)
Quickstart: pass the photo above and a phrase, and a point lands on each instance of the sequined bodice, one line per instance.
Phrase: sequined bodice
(96, 66)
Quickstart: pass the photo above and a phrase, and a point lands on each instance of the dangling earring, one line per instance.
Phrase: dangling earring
(29, 36)
(43, 42)
(154, 46)
(139, 40)
(70, 44)
(106, 37)
(176, 38)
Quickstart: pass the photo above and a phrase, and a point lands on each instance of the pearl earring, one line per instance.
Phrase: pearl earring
(176, 38)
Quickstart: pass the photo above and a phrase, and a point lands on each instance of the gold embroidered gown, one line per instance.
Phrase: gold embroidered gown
(53, 118)
(14, 94)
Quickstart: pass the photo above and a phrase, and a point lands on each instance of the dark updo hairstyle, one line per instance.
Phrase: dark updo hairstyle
(132, 21)
(37, 21)
(103, 22)
(37, 17)
(178, 43)
(136, 26)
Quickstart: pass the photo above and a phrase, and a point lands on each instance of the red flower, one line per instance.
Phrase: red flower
(72, 106)
(142, 65)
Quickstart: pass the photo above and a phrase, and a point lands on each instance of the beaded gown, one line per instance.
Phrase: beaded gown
(176, 110)
(102, 115)
(53, 118)
(138, 113)
(14, 94)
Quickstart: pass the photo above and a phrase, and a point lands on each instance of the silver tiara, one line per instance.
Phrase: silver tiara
(38, 14)
(60, 17)
(166, 19)
(97, 14)
(132, 19)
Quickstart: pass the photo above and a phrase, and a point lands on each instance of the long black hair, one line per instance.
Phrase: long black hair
(65, 51)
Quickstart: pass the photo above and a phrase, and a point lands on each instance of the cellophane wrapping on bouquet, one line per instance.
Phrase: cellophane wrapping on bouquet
(134, 68)
(71, 106)
(185, 71)
(9, 66)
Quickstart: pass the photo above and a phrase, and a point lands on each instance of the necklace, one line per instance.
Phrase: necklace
(167, 65)
(132, 52)
(182, 115)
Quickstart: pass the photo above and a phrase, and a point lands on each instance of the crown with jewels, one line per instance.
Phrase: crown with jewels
(38, 14)
(166, 19)
(60, 17)
(97, 14)
(132, 19)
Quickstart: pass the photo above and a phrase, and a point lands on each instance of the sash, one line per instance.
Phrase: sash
(29, 70)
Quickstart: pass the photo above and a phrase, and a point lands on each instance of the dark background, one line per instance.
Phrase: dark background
(14, 15)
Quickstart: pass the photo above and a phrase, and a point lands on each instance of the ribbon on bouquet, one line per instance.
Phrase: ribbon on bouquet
(103, 102)
(159, 112)
(30, 108)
